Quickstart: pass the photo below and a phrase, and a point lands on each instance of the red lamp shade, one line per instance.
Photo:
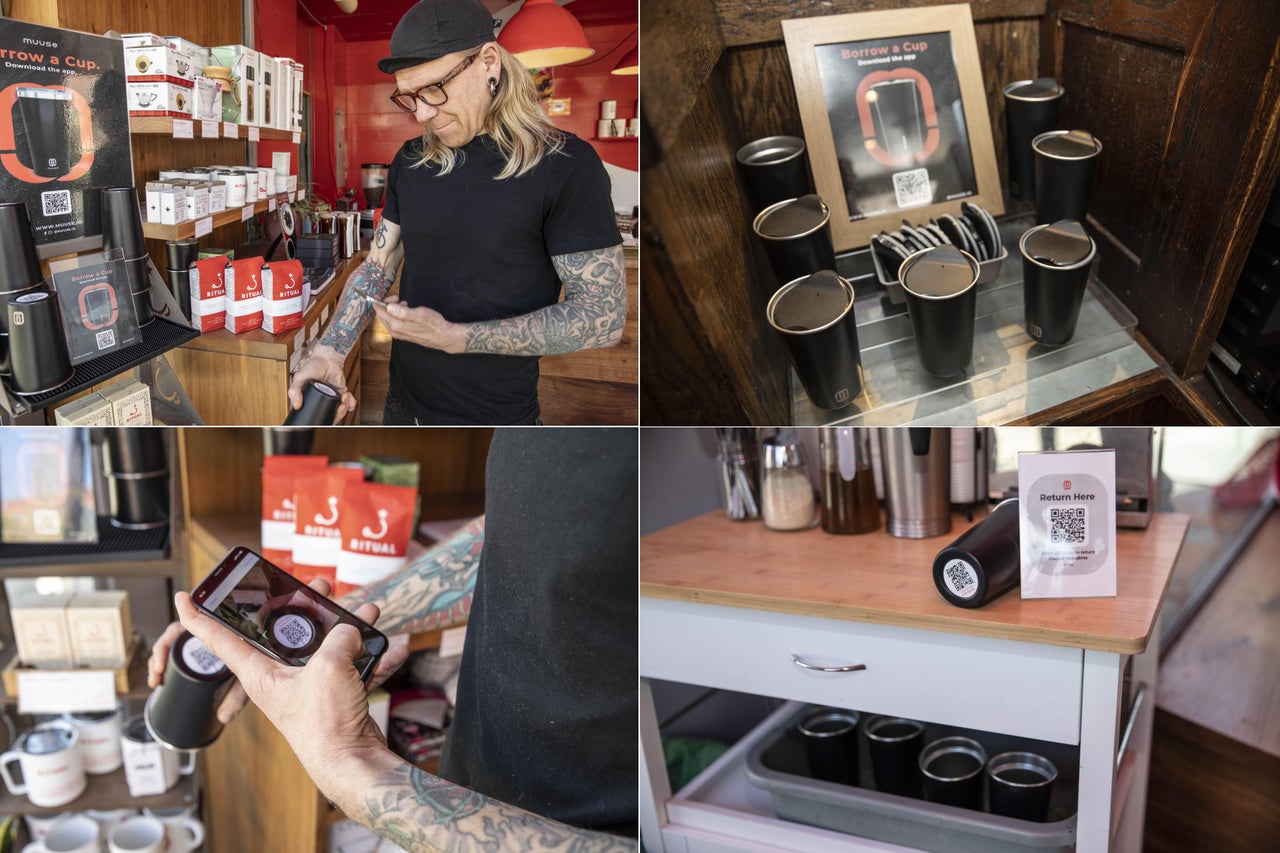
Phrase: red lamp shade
(542, 34)
(629, 64)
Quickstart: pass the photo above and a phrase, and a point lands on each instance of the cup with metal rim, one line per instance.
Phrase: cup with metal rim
(774, 168)
(1054, 292)
(894, 744)
(824, 347)
(830, 743)
(797, 241)
(951, 769)
(1020, 785)
(942, 322)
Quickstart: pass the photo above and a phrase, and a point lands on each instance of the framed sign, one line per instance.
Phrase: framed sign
(895, 117)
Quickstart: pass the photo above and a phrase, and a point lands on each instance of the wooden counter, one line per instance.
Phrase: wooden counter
(881, 579)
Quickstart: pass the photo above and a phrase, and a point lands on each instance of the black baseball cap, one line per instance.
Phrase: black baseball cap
(434, 28)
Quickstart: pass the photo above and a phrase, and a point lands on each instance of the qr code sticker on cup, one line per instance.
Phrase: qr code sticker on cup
(55, 202)
(912, 188)
(1068, 525)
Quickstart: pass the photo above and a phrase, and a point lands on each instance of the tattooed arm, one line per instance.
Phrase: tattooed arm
(590, 316)
(429, 592)
(373, 278)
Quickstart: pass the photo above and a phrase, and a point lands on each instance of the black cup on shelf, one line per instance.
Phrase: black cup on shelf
(830, 738)
(1030, 109)
(942, 299)
(182, 712)
(951, 771)
(320, 402)
(139, 276)
(136, 450)
(1055, 274)
(796, 234)
(139, 501)
(297, 441)
(38, 358)
(894, 744)
(19, 263)
(180, 287)
(181, 254)
(1064, 163)
(814, 317)
(1020, 785)
(775, 169)
(122, 222)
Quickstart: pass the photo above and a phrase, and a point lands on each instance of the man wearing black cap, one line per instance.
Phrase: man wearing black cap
(494, 210)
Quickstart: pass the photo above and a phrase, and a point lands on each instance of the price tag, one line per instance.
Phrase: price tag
(271, 205)
(230, 129)
(204, 227)
(60, 691)
(297, 137)
(301, 194)
(246, 213)
(254, 134)
(209, 129)
(184, 128)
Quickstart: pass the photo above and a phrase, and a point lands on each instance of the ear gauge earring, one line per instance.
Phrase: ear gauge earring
(493, 87)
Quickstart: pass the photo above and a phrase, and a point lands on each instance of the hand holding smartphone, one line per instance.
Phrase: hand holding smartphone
(277, 613)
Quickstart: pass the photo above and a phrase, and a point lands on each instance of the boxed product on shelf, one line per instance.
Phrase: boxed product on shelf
(199, 55)
(283, 117)
(298, 72)
(243, 62)
(173, 204)
(267, 74)
(167, 98)
(217, 196)
(207, 105)
(208, 293)
(159, 63)
(89, 410)
(130, 403)
(142, 40)
(40, 630)
(197, 199)
(100, 626)
(244, 295)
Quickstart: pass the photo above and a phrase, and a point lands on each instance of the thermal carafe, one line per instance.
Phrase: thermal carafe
(917, 481)
(44, 121)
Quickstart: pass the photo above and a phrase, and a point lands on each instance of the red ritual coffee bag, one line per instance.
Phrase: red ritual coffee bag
(244, 295)
(317, 534)
(279, 503)
(282, 285)
(209, 293)
(377, 524)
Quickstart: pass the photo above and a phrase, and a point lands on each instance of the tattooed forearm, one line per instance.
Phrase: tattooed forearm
(419, 811)
(591, 316)
(432, 591)
(354, 313)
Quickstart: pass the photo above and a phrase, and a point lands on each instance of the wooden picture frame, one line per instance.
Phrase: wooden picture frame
(895, 117)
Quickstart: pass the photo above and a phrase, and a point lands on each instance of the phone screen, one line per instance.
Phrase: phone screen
(277, 612)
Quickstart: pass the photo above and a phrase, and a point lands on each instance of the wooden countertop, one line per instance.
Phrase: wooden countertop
(884, 580)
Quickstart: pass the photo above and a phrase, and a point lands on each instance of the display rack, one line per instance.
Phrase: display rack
(114, 545)
(183, 230)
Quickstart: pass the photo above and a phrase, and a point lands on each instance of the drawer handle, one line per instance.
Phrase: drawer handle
(853, 667)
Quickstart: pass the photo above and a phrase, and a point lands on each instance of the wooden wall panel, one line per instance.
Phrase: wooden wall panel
(1191, 95)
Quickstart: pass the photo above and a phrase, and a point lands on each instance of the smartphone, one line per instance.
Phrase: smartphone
(276, 612)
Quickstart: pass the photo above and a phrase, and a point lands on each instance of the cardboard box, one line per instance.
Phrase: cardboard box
(89, 410)
(199, 55)
(151, 98)
(143, 40)
(40, 630)
(159, 63)
(243, 62)
(296, 122)
(130, 403)
(207, 97)
(217, 196)
(100, 627)
(269, 73)
(173, 205)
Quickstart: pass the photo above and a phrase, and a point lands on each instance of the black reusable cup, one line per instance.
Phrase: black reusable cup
(180, 287)
(136, 450)
(1064, 173)
(280, 440)
(181, 254)
(139, 501)
(942, 300)
(775, 169)
(830, 739)
(38, 357)
(814, 315)
(140, 287)
(19, 263)
(894, 744)
(320, 402)
(1030, 109)
(797, 237)
(122, 222)
(982, 562)
(951, 771)
(1020, 785)
(182, 713)
(1055, 274)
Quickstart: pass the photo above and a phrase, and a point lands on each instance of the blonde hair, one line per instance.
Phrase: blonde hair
(515, 120)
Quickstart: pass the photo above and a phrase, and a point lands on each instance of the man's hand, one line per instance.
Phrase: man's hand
(325, 364)
(423, 326)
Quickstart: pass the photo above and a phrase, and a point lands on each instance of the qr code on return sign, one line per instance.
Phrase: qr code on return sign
(1068, 525)
(912, 187)
(56, 202)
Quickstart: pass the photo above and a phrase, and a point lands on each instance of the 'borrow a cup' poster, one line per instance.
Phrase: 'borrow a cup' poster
(898, 122)
(64, 130)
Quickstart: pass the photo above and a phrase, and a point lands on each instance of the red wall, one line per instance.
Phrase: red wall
(376, 128)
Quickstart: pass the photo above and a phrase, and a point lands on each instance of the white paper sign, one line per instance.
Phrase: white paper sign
(204, 227)
(60, 691)
(246, 213)
(230, 129)
(254, 134)
(271, 205)
(209, 129)
(1067, 523)
(452, 640)
(297, 137)
(184, 128)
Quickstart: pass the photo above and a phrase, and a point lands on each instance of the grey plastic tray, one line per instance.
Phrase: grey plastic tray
(777, 765)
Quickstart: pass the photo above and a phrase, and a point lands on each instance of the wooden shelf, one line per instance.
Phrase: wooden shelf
(141, 653)
(163, 126)
(107, 792)
(230, 216)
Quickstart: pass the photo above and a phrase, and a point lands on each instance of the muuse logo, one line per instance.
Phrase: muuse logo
(372, 542)
(1066, 485)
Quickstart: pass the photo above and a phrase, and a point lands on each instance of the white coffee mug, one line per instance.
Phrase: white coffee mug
(109, 820)
(137, 835)
(38, 825)
(52, 768)
(99, 739)
(150, 768)
(183, 831)
(75, 834)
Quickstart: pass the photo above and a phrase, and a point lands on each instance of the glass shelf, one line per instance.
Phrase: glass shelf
(1011, 376)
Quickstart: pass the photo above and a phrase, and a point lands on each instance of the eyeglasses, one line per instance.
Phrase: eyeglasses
(433, 94)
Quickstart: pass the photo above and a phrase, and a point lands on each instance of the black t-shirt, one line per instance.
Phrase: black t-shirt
(547, 695)
(477, 248)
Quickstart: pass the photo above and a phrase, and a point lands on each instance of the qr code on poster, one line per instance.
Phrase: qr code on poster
(1068, 525)
(106, 338)
(56, 202)
(912, 188)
